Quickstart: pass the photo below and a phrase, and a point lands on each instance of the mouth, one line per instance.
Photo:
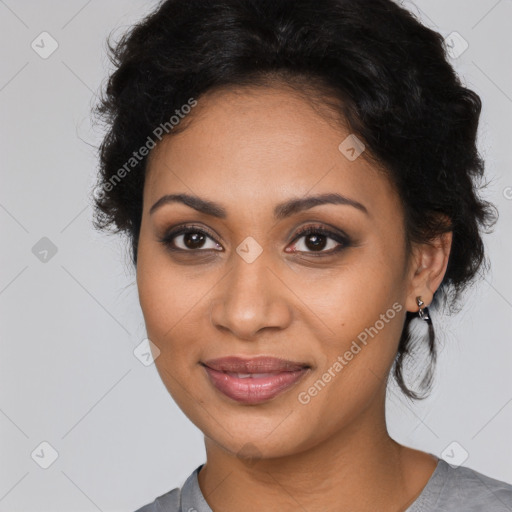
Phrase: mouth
(255, 380)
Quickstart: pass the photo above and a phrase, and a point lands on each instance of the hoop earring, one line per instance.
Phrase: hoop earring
(423, 313)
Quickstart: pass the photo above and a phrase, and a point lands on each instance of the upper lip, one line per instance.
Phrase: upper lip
(261, 364)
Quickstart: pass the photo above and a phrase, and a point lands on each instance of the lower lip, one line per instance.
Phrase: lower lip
(253, 390)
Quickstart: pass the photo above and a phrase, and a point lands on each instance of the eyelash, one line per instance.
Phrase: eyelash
(343, 240)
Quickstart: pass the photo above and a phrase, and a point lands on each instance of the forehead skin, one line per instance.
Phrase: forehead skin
(262, 144)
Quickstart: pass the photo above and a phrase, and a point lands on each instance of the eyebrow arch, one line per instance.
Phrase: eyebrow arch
(281, 211)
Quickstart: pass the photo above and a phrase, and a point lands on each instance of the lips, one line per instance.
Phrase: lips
(254, 380)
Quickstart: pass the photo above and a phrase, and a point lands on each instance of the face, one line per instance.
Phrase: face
(244, 281)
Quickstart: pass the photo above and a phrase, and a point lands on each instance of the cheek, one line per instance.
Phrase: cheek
(361, 309)
(172, 299)
(355, 297)
(168, 306)
(354, 370)
(167, 294)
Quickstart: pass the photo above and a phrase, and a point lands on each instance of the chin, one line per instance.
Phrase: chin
(260, 434)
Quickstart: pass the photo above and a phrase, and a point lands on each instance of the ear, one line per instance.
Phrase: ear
(427, 269)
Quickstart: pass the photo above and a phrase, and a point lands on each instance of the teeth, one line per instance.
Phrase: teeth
(250, 375)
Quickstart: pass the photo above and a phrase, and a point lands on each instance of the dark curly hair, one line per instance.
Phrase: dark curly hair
(389, 76)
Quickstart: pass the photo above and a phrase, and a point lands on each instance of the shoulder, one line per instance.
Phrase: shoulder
(168, 502)
(186, 497)
(471, 491)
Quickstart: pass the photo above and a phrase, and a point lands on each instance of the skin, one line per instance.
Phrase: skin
(250, 150)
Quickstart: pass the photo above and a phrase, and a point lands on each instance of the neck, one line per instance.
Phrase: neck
(360, 468)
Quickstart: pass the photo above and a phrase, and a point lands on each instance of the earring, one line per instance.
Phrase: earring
(423, 313)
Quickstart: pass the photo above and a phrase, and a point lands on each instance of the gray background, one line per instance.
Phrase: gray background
(70, 324)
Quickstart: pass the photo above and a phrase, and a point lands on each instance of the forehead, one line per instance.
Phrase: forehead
(260, 146)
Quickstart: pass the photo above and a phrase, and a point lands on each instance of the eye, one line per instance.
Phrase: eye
(189, 239)
(195, 239)
(316, 240)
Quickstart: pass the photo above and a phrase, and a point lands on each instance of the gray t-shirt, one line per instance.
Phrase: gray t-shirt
(449, 489)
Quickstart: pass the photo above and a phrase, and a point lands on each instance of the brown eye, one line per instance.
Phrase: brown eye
(317, 239)
(193, 240)
(189, 239)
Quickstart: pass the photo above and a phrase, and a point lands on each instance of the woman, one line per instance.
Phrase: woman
(298, 183)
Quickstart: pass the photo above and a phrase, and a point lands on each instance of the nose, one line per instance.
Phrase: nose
(249, 299)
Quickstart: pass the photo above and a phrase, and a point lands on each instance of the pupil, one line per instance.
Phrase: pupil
(319, 243)
(193, 240)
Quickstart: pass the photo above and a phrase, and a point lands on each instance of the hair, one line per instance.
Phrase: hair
(395, 90)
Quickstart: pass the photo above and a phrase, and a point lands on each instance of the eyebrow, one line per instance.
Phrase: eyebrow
(281, 211)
